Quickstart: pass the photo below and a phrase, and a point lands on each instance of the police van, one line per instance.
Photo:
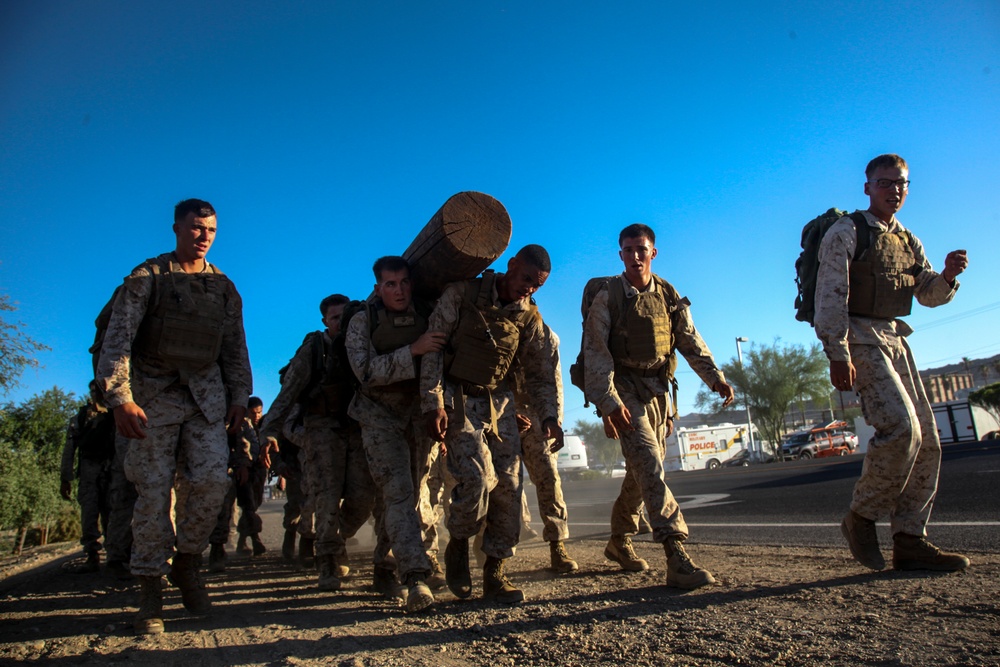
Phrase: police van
(704, 447)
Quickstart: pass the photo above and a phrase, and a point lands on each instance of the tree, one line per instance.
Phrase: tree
(32, 436)
(770, 380)
(988, 398)
(600, 448)
(16, 349)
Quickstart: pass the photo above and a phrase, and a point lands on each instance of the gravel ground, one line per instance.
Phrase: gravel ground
(773, 606)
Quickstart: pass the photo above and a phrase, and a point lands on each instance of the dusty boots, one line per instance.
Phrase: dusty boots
(307, 552)
(681, 570)
(149, 620)
(419, 596)
(435, 580)
(288, 545)
(913, 552)
(561, 562)
(496, 585)
(385, 583)
(620, 550)
(258, 547)
(863, 540)
(217, 558)
(184, 575)
(93, 562)
(328, 579)
(456, 564)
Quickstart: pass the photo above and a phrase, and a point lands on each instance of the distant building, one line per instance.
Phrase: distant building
(949, 387)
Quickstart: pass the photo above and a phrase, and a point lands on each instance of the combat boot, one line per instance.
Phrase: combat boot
(863, 540)
(385, 583)
(681, 570)
(149, 620)
(328, 579)
(561, 562)
(184, 575)
(307, 552)
(342, 568)
(288, 545)
(912, 552)
(258, 547)
(241, 546)
(217, 558)
(120, 570)
(419, 596)
(620, 550)
(93, 562)
(456, 564)
(496, 585)
(435, 580)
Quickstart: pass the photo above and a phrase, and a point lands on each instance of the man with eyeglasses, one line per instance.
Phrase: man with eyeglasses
(868, 275)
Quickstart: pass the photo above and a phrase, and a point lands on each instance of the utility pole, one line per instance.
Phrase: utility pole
(746, 400)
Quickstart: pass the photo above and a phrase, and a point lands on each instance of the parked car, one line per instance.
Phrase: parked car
(832, 439)
(744, 460)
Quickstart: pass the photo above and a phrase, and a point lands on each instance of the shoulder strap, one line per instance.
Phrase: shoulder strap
(864, 233)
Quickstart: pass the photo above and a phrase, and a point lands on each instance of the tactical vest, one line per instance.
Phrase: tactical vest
(96, 439)
(332, 393)
(391, 331)
(182, 329)
(883, 278)
(483, 347)
(642, 332)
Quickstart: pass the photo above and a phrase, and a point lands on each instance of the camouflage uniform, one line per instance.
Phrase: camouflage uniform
(648, 401)
(395, 442)
(94, 472)
(486, 459)
(244, 452)
(334, 470)
(185, 444)
(901, 466)
(535, 449)
(434, 493)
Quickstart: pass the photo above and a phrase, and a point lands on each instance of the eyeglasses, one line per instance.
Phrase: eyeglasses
(886, 183)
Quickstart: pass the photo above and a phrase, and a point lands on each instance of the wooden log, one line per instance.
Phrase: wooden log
(463, 238)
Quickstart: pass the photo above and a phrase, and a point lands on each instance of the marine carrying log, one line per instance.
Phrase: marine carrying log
(463, 238)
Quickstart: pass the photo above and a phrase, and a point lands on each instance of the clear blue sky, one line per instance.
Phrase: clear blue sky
(327, 134)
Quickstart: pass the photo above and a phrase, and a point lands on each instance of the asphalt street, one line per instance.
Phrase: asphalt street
(795, 503)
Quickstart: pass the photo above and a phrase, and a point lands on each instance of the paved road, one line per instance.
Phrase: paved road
(797, 503)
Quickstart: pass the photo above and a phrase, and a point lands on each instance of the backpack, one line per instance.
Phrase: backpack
(616, 309)
(807, 265)
(104, 319)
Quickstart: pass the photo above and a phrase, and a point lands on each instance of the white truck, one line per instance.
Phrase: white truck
(957, 421)
(572, 458)
(703, 447)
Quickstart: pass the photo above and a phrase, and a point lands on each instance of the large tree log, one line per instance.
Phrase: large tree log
(463, 238)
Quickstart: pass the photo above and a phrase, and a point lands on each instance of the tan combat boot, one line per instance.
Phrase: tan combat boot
(241, 546)
(561, 562)
(328, 579)
(342, 568)
(149, 620)
(435, 580)
(681, 570)
(456, 567)
(384, 582)
(913, 552)
(258, 547)
(620, 550)
(184, 575)
(496, 585)
(419, 596)
(863, 540)
(288, 545)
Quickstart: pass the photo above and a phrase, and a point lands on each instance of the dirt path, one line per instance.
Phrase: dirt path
(775, 606)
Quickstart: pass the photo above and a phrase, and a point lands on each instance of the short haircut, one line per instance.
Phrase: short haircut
(637, 230)
(389, 263)
(332, 300)
(254, 402)
(537, 256)
(200, 208)
(887, 160)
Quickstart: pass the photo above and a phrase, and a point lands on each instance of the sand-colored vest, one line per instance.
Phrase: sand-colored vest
(883, 278)
(642, 332)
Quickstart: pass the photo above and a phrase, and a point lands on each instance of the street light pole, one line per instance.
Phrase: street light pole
(746, 399)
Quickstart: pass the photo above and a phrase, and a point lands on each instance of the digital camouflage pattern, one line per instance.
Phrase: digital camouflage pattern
(901, 467)
(648, 401)
(395, 442)
(93, 491)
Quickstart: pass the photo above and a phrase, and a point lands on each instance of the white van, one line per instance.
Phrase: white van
(572, 458)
